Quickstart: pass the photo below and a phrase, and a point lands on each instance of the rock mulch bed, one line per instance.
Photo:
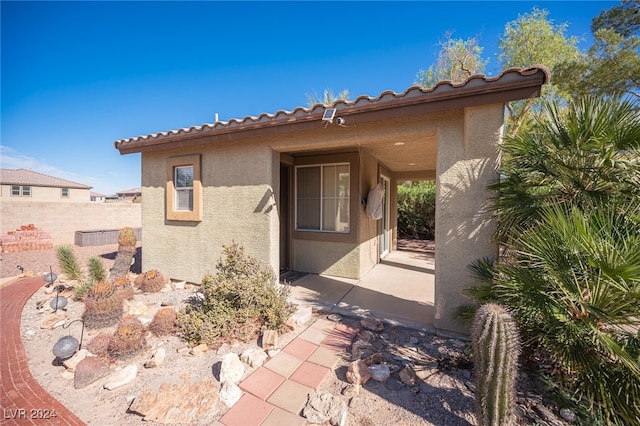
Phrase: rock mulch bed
(392, 375)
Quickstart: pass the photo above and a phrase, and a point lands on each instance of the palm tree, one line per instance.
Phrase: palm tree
(587, 152)
(328, 98)
(569, 213)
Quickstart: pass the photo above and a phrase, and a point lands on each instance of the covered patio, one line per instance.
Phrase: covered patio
(400, 290)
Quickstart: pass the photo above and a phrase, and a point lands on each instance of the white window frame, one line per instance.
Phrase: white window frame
(180, 189)
(322, 198)
(62, 192)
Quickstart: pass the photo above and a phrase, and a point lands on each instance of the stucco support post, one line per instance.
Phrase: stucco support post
(467, 162)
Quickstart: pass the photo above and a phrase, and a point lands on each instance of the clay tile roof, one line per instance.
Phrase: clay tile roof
(476, 85)
(31, 178)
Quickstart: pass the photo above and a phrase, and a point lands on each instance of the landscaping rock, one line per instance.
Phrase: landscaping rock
(156, 359)
(189, 403)
(51, 320)
(254, 357)
(568, 415)
(324, 407)
(372, 324)
(408, 376)
(230, 393)
(358, 373)
(122, 377)
(379, 372)
(199, 349)
(302, 315)
(89, 370)
(270, 340)
(71, 363)
(394, 385)
(231, 369)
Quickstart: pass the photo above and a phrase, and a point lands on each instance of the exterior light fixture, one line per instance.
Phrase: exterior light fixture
(58, 301)
(68, 345)
(399, 143)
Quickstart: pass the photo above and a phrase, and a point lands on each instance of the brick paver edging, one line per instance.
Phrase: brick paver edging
(22, 400)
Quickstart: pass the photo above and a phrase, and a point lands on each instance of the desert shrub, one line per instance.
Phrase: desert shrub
(99, 345)
(151, 281)
(68, 262)
(164, 322)
(241, 299)
(96, 269)
(103, 305)
(128, 340)
(417, 210)
(124, 287)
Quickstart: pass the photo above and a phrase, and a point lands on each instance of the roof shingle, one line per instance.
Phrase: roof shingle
(31, 178)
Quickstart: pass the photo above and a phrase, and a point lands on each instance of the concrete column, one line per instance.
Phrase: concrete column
(467, 162)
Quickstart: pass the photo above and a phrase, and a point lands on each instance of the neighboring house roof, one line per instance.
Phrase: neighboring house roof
(31, 178)
(130, 191)
(511, 84)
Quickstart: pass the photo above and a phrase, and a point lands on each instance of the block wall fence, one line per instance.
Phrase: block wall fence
(61, 220)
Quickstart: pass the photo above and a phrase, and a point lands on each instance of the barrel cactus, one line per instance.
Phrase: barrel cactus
(126, 251)
(496, 348)
(103, 305)
(151, 281)
(128, 340)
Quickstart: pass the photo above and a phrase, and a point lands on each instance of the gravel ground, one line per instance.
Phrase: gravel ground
(443, 395)
(39, 261)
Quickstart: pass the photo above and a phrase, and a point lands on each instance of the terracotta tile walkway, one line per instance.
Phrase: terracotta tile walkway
(22, 400)
(274, 394)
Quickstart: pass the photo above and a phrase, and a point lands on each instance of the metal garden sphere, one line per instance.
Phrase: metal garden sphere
(65, 347)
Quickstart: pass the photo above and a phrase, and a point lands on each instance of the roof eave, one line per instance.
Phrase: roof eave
(444, 96)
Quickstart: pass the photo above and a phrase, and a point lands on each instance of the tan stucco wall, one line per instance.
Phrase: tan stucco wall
(239, 187)
(467, 163)
(41, 193)
(62, 220)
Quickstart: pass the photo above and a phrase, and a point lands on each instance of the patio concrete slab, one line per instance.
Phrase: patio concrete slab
(290, 396)
(400, 290)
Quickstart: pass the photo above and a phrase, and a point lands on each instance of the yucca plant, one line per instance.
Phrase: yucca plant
(96, 269)
(68, 262)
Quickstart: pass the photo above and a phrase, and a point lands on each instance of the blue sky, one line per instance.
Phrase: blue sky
(76, 76)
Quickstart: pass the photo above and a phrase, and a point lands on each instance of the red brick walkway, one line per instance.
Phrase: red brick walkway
(22, 400)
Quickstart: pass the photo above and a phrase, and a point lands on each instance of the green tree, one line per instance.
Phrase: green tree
(457, 60)
(612, 64)
(328, 98)
(534, 39)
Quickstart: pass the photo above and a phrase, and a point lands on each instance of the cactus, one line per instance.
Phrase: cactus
(164, 322)
(99, 344)
(126, 251)
(127, 237)
(96, 268)
(151, 281)
(496, 348)
(123, 285)
(129, 339)
(103, 305)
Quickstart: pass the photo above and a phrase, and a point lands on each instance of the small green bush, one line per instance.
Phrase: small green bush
(68, 262)
(417, 210)
(96, 269)
(239, 301)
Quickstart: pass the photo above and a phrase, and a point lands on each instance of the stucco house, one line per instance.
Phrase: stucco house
(27, 185)
(293, 187)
